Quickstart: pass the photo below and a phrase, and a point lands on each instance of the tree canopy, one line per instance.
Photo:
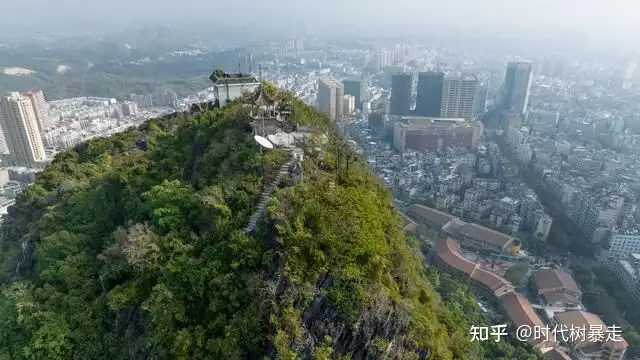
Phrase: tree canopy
(120, 251)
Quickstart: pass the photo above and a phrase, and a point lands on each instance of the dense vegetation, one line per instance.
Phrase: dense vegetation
(130, 247)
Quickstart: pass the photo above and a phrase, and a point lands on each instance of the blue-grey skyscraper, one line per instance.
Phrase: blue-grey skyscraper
(429, 98)
(517, 86)
(357, 89)
(401, 93)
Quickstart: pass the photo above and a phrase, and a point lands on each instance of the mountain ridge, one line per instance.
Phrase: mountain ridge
(132, 247)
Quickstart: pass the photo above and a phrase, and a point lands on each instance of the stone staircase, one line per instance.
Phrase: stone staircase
(264, 197)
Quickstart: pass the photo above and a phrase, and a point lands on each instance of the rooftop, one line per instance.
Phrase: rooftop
(579, 319)
(224, 78)
(486, 235)
(547, 279)
(520, 311)
(330, 81)
(556, 354)
(518, 308)
(457, 227)
(437, 217)
(448, 251)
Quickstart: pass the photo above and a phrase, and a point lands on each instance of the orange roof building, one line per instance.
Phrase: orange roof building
(433, 217)
(517, 307)
(557, 288)
(610, 347)
(521, 313)
(473, 235)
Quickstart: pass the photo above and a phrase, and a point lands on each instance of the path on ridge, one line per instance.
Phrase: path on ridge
(264, 197)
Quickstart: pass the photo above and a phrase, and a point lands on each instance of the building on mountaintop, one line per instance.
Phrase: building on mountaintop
(267, 113)
(231, 86)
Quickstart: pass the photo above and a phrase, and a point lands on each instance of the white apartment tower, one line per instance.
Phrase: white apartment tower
(349, 105)
(459, 95)
(40, 107)
(19, 124)
(331, 98)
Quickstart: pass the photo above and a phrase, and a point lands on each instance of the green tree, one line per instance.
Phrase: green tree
(518, 273)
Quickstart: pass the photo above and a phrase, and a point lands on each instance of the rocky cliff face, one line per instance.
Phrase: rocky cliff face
(380, 325)
(379, 331)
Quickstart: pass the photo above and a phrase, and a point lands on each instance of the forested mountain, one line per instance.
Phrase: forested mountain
(131, 247)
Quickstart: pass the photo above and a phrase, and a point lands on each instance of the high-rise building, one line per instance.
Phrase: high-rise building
(40, 107)
(331, 98)
(517, 86)
(357, 89)
(630, 70)
(481, 100)
(459, 95)
(384, 58)
(401, 94)
(167, 99)
(429, 99)
(4, 148)
(129, 109)
(349, 106)
(20, 126)
(376, 122)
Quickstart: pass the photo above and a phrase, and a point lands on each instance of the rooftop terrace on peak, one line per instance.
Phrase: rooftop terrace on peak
(220, 77)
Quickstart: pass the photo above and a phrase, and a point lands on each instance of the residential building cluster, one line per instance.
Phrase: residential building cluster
(80, 119)
(169, 99)
(34, 130)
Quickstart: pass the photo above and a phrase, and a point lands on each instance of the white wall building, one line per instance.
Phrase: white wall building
(20, 126)
(330, 100)
(228, 87)
(459, 95)
(622, 244)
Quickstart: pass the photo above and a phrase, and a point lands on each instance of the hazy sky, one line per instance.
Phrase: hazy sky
(596, 17)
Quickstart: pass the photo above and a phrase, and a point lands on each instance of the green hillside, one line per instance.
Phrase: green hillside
(131, 247)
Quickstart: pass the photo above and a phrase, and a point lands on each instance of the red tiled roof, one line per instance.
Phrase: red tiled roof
(434, 216)
(578, 318)
(486, 235)
(408, 224)
(448, 252)
(520, 310)
(489, 279)
(555, 279)
(553, 297)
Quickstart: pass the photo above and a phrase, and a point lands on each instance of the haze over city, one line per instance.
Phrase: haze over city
(613, 20)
